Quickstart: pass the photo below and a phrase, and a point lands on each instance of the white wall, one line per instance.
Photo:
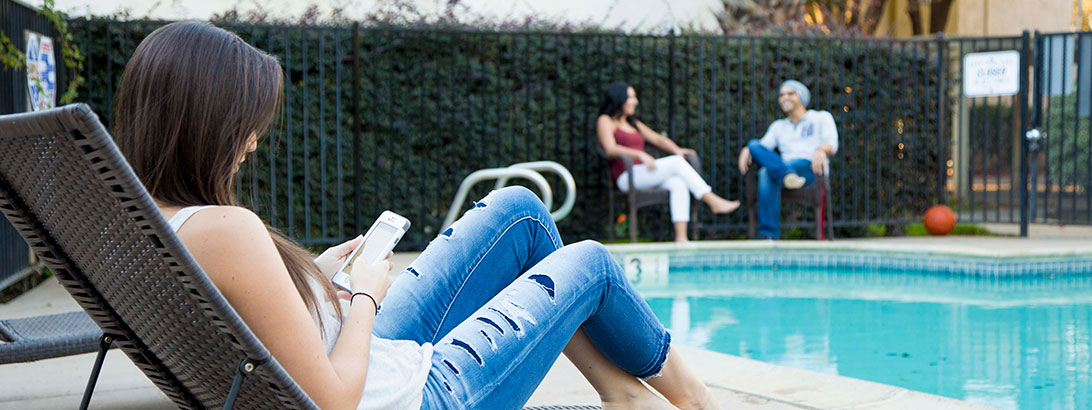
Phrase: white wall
(630, 15)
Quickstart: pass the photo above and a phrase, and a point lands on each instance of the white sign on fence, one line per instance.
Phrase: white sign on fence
(41, 72)
(991, 74)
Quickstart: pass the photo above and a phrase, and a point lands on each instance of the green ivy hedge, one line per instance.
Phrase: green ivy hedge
(1068, 154)
(436, 105)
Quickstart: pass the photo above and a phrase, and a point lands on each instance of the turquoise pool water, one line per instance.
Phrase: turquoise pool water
(1010, 341)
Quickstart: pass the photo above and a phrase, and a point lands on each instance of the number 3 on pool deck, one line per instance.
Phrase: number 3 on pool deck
(635, 263)
(647, 270)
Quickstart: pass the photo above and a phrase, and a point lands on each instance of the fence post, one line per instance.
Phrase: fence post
(942, 91)
(356, 130)
(1037, 64)
(1022, 98)
(671, 84)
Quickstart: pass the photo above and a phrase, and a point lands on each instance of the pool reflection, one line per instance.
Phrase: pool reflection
(1011, 356)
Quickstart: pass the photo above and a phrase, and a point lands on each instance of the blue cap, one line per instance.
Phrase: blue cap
(801, 90)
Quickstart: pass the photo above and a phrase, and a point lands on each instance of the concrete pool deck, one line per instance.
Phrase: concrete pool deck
(736, 382)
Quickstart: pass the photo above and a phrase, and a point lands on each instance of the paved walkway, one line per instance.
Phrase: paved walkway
(738, 383)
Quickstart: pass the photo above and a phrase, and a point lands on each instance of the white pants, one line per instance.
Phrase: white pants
(674, 174)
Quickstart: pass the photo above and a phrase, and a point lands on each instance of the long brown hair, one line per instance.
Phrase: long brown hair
(190, 97)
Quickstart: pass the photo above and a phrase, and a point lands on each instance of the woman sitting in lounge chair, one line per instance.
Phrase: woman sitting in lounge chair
(621, 133)
(475, 322)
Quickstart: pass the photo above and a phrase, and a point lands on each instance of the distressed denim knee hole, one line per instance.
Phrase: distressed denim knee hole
(510, 320)
(451, 366)
(491, 323)
(546, 282)
(488, 339)
(469, 350)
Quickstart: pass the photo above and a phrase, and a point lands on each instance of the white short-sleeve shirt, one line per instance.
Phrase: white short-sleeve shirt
(799, 140)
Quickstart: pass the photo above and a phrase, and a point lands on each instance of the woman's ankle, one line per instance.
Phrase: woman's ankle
(701, 399)
(719, 205)
(634, 397)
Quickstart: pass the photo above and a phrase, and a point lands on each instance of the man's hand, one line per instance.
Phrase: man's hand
(744, 160)
(819, 161)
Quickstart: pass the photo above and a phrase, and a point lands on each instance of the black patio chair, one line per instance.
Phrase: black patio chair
(816, 196)
(74, 199)
(640, 198)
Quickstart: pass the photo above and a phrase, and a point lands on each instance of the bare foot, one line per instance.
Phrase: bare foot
(719, 205)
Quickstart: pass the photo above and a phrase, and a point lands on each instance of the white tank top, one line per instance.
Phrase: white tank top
(397, 369)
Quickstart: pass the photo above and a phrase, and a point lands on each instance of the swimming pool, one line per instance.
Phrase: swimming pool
(1008, 333)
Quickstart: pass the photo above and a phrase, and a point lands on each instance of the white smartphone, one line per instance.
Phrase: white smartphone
(378, 242)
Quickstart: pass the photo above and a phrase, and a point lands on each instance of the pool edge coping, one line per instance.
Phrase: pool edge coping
(845, 246)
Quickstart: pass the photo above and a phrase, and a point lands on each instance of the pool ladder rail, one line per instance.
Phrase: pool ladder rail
(527, 170)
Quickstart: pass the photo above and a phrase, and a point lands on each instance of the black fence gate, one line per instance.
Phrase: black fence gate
(986, 134)
(1061, 159)
(1025, 158)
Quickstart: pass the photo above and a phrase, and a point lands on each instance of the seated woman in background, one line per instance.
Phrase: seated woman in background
(475, 322)
(621, 133)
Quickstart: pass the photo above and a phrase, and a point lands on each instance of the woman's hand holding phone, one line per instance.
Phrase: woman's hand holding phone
(371, 279)
(334, 256)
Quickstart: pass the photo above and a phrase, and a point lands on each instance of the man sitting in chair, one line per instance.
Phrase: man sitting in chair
(805, 138)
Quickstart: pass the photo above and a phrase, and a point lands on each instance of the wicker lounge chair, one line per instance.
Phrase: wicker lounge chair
(71, 195)
(42, 337)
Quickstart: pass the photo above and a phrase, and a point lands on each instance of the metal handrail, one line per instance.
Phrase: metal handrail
(566, 178)
(526, 170)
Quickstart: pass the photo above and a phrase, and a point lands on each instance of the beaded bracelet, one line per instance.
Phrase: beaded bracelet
(351, 299)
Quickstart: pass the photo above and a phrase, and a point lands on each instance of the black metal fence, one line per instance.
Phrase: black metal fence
(433, 106)
(393, 119)
(986, 134)
(16, 19)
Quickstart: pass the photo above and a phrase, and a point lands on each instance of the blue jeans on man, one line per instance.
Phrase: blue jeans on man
(773, 170)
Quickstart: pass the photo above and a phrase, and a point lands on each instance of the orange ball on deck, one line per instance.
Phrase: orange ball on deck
(939, 220)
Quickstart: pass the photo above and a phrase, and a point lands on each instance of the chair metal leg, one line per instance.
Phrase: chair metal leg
(104, 346)
(246, 367)
(632, 199)
(611, 215)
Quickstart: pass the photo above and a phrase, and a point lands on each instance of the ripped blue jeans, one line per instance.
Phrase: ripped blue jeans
(499, 297)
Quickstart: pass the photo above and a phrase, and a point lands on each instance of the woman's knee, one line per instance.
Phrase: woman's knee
(676, 184)
(514, 198)
(673, 161)
(584, 253)
(599, 263)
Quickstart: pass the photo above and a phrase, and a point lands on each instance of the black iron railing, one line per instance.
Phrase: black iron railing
(437, 105)
(391, 118)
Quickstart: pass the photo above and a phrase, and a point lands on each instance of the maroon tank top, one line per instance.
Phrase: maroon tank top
(629, 140)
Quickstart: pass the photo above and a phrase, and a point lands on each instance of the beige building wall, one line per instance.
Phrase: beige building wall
(1010, 17)
(984, 17)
